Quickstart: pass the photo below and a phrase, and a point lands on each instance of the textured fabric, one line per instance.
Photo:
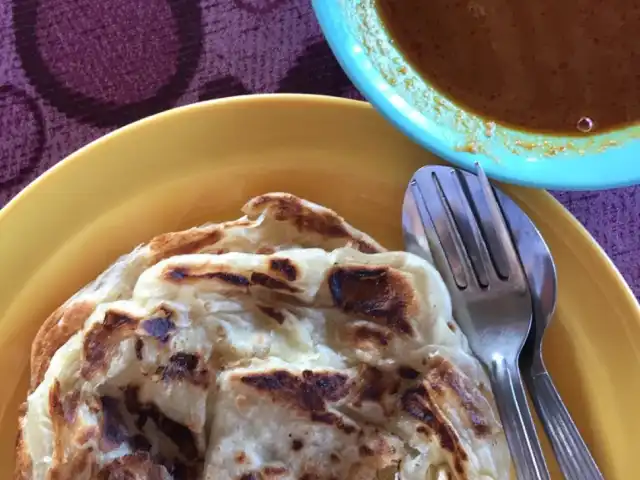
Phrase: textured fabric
(72, 70)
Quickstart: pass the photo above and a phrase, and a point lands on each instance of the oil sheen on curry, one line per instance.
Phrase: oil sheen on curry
(563, 67)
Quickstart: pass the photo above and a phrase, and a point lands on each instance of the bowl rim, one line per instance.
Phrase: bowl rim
(611, 168)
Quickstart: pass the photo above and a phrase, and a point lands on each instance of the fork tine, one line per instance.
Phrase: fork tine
(501, 233)
(419, 232)
(436, 212)
(463, 208)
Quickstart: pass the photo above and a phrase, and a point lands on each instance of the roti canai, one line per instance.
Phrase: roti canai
(282, 345)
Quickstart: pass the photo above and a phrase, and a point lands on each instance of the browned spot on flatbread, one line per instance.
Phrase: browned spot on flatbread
(284, 267)
(366, 451)
(366, 247)
(378, 387)
(62, 408)
(443, 377)
(22, 470)
(325, 222)
(182, 274)
(139, 348)
(185, 367)
(58, 423)
(273, 472)
(55, 401)
(380, 293)
(292, 209)
(160, 326)
(416, 402)
(262, 279)
(179, 434)
(181, 243)
(271, 312)
(185, 274)
(375, 385)
(331, 418)
(371, 336)
(309, 392)
(114, 429)
(54, 333)
(100, 339)
(240, 222)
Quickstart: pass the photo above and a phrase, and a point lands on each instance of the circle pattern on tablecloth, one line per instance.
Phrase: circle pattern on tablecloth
(109, 63)
(316, 71)
(22, 135)
(225, 86)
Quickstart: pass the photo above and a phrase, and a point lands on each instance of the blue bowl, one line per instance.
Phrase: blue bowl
(363, 48)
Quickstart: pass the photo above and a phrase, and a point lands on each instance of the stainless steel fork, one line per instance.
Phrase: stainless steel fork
(463, 226)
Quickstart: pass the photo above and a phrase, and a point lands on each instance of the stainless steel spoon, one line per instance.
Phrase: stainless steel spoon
(572, 453)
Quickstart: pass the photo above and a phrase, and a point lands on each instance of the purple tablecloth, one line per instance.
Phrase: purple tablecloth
(72, 70)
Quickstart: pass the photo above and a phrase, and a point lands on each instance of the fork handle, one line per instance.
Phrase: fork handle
(572, 453)
(517, 421)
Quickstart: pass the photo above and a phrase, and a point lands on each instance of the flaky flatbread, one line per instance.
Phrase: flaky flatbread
(284, 345)
(272, 222)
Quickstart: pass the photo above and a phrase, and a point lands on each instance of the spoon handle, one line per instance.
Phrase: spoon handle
(517, 421)
(572, 453)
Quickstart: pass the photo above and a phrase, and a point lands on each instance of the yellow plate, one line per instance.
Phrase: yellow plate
(202, 162)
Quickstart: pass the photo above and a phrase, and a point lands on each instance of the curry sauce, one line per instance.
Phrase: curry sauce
(555, 66)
